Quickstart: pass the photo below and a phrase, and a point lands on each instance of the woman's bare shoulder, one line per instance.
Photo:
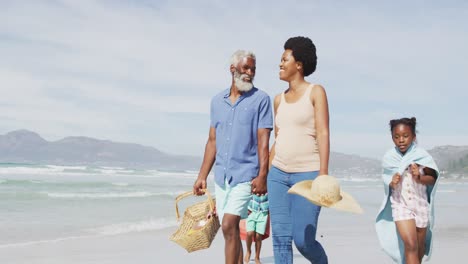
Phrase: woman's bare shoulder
(318, 92)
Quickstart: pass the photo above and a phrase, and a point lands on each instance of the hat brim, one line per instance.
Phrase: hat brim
(347, 203)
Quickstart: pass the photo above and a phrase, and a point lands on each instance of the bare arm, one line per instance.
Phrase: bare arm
(428, 177)
(319, 100)
(427, 180)
(259, 183)
(272, 151)
(272, 154)
(208, 161)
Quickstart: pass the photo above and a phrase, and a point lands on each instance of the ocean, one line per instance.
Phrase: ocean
(47, 203)
(50, 204)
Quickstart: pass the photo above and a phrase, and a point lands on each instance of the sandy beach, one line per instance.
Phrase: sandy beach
(354, 242)
(90, 218)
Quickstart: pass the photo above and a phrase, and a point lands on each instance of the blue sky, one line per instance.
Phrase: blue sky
(145, 71)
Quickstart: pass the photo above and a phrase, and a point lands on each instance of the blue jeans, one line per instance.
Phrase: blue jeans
(293, 217)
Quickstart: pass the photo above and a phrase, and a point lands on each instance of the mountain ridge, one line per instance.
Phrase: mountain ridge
(24, 146)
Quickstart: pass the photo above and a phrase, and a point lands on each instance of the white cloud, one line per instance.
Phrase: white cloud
(121, 69)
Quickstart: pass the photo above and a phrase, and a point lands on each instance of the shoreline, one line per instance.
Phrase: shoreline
(357, 243)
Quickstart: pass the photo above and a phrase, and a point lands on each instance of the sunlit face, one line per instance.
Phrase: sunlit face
(403, 137)
(288, 66)
(244, 74)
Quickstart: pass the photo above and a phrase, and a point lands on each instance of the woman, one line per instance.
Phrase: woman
(300, 152)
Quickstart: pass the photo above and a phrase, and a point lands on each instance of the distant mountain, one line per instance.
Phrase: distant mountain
(346, 165)
(451, 160)
(23, 146)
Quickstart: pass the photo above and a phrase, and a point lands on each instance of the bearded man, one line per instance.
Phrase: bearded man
(238, 147)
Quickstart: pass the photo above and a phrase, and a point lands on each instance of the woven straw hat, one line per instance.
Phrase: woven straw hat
(325, 191)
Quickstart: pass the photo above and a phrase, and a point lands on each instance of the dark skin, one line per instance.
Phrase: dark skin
(253, 236)
(403, 137)
(292, 72)
(413, 237)
(230, 225)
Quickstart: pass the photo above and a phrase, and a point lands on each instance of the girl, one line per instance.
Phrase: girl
(405, 222)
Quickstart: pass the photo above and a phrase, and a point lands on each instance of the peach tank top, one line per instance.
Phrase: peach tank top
(296, 147)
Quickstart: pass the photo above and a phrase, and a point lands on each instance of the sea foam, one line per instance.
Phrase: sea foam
(123, 228)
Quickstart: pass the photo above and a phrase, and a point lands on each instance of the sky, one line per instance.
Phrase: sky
(145, 71)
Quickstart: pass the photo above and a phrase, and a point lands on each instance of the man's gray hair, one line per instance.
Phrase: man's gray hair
(239, 55)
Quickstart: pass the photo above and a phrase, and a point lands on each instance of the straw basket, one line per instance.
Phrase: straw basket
(186, 236)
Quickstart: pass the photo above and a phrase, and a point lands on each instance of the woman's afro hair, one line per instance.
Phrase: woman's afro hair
(304, 51)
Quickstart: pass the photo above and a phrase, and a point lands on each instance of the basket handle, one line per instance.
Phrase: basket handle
(190, 193)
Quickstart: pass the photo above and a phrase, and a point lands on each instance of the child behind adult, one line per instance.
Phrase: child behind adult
(409, 175)
(256, 225)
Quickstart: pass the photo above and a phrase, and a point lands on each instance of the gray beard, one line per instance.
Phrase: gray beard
(240, 84)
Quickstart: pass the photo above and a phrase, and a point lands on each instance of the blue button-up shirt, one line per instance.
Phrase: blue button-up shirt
(236, 134)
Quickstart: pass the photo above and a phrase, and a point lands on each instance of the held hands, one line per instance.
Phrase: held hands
(395, 180)
(199, 186)
(259, 186)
